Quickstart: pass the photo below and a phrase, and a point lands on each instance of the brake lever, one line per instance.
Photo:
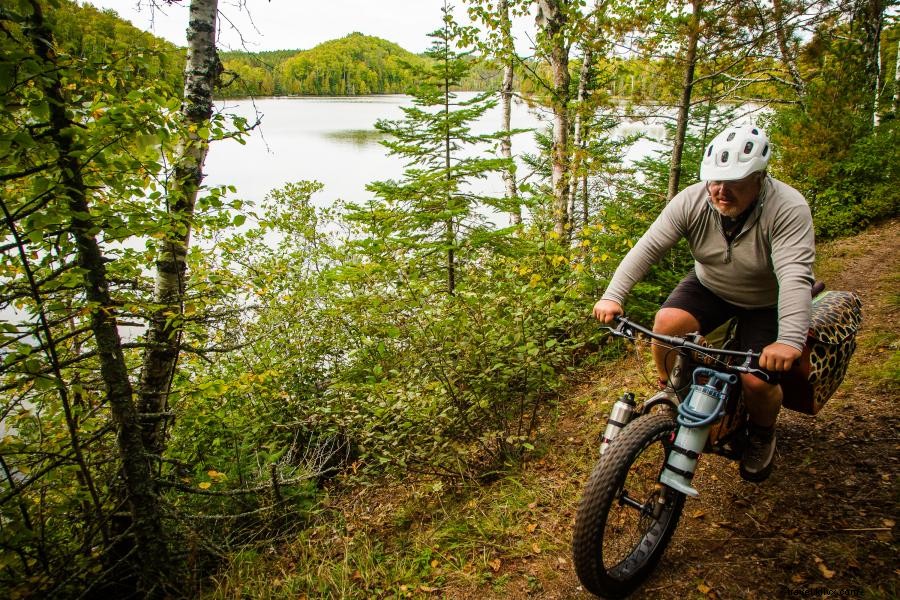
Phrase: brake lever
(764, 375)
(621, 330)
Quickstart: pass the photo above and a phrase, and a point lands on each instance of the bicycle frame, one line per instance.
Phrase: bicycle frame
(691, 355)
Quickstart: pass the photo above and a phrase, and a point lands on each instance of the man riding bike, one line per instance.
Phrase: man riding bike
(751, 237)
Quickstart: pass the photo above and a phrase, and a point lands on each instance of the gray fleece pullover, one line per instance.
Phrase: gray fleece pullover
(768, 263)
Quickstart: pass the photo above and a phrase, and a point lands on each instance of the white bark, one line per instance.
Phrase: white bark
(787, 56)
(506, 93)
(897, 82)
(869, 17)
(578, 134)
(201, 72)
(552, 19)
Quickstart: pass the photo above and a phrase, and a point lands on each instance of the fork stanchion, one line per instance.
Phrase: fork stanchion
(703, 407)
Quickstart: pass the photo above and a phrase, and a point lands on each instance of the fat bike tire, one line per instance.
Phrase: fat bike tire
(616, 545)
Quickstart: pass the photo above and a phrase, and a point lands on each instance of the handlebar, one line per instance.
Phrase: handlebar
(627, 329)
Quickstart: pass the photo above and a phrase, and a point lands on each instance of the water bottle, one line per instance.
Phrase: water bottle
(621, 414)
(695, 417)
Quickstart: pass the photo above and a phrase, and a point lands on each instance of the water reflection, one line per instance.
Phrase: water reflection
(356, 137)
(333, 140)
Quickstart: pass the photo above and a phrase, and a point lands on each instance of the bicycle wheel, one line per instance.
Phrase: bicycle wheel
(621, 530)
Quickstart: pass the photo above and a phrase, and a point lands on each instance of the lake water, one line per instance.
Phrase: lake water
(333, 140)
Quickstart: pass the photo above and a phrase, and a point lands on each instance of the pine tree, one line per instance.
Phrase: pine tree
(430, 212)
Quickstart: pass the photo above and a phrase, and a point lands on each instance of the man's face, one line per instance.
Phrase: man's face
(731, 198)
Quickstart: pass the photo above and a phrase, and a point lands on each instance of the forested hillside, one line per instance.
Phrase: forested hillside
(351, 66)
(101, 37)
(196, 388)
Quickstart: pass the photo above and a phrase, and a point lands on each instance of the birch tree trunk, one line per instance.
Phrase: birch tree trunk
(897, 82)
(685, 104)
(151, 560)
(869, 17)
(551, 19)
(506, 93)
(584, 85)
(163, 335)
(787, 56)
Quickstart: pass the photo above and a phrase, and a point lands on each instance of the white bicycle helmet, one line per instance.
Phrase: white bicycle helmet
(735, 153)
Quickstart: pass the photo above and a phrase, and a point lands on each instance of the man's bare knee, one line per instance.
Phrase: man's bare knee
(675, 321)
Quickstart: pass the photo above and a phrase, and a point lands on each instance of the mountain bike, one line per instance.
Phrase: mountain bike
(634, 497)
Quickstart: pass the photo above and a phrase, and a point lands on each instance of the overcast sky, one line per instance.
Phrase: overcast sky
(300, 24)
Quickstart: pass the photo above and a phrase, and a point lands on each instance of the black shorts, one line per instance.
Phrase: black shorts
(757, 327)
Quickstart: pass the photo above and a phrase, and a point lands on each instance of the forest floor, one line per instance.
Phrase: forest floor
(823, 524)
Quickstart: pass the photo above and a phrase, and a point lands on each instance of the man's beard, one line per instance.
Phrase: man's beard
(731, 212)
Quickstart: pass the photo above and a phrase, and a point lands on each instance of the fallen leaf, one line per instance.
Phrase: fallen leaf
(888, 522)
(531, 527)
(826, 572)
(533, 505)
(798, 578)
(204, 485)
(535, 548)
(428, 589)
(561, 560)
(703, 588)
(697, 514)
(495, 565)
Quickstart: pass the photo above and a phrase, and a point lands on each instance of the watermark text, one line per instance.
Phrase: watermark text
(826, 592)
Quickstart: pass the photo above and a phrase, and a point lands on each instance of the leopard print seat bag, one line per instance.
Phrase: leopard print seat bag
(836, 318)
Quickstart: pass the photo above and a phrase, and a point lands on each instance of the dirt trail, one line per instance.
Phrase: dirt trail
(822, 525)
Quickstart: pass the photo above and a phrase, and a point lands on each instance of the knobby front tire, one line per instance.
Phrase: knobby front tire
(617, 545)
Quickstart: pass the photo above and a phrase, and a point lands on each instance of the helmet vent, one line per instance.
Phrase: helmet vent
(765, 150)
(748, 147)
(755, 131)
(724, 157)
(709, 150)
(731, 135)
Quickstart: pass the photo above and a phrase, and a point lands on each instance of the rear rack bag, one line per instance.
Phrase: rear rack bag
(836, 317)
